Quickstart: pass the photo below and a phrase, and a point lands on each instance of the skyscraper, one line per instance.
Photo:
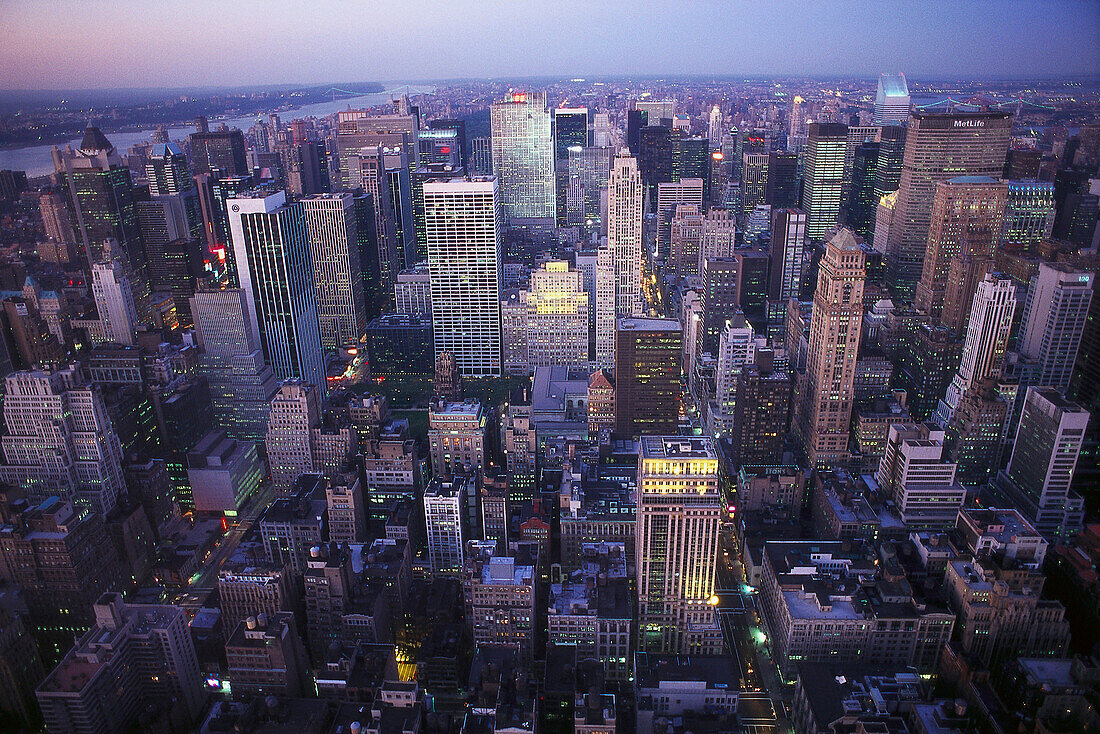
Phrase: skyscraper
(570, 132)
(114, 300)
(241, 384)
(823, 177)
(295, 412)
(965, 224)
(624, 232)
(605, 307)
(670, 195)
(168, 175)
(835, 328)
(1044, 457)
(648, 354)
(222, 149)
(678, 518)
(463, 220)
(273, 262)
(557, 317)
(1053, 321)
(892, 100)
(335, 259)
(938, 147)
(523, 159)
(754, 180)
(366, 169)
(1029, 216)
(781, 188)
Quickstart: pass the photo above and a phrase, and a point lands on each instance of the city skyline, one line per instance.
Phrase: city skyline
(985, 39)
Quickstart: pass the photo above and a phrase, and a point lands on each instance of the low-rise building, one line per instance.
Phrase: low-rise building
(499, 592)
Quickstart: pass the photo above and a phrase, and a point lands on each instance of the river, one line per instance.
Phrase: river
(36, 159)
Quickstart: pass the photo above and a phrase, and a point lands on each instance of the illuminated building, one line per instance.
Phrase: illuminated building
(570, 132)
(648, 355)
(456, 437)
(624, 233)
(557, 317)
(823, 177)
(938, 147)
(1029, 216)
(335, 261)
(678, 517)
(892, 100)
(835, 327)
(114, 296)
(523, 159)
(965, 224)
(669, 196)
(295, 411)
(761, 413)
(463, 224)
(754, 180)
(685, 242)
(588, 170)
(499, 592)
(721, 298)
(445, 524)
(413, 291)
(1054, 318)
(272, 254)
(222, 149)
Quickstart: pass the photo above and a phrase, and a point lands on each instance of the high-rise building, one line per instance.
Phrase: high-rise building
(754, 180)
(605, 308)
(295, 411)
(654, 153)
(714, 127)
(444, 521)
(861, 203)
(413, 292)
(965, 224)
(787, 254)
(241, 384)
(557, 317)
(914, 475)
(781, 189)
(499, 592)
(58, 224)
(987, 333)
(721, 298)
(222, 149)
(456, 437)
(114, 299)
(624, 232)
(669, 196)
(1054, 317)
(272, 254)
(736, 350)
(1029, 216)
(892, 100)
(265, 657)
(570, 132)
(823, 177)
(587, 171)
(678, 519)
(761, 413)
(523, 159)
(938, 147)
(481, 156)
(1044, 457)
(685, 242)
(857, 135)
(648, 381)
(463, 221)
(60, 440)
(168, 175)
(335, 259)
(366, 169)
(135, 655)
(835, 328)
(691, 159)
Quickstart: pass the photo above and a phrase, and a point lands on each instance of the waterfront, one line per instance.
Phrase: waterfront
(36, 160)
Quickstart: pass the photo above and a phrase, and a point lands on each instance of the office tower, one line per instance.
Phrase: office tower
(557, 317)
(781, 187)
(440, 146)
(601, 402)
(518, 440)
(334, 255)
(1054, 317)
(62, 559)
(861, 202)
(891, 154)
(293, 523)
(1029, 216)
(753, 297)
(513, 329)
(246, 590)
(328, 596)
(761, 413)
(787, 255)
(427, 172)
(223, 473)
(635, 121)
(754, 180)
(736, 348)
(272, 255)
(366, 168)
(173, 258)
(21, 671)
(602, 130)
(857, 135)
(456, 437)
(965, 225)
(459, 126)
(624, 232)
(605, 307)
(691, 316)
(678, 518)
(114, 300)
(1044, 456)
(1076, 216)
(835, 330)
(691, 160)
(938, 147)
(797, 120)
(59, 227)
(892, 100)
(721, 298)
(669, 196)
(685, 242)
(134, 656)
(523, 159)
(974, 435)
(654, 154)
(309, 170)
(588, 170)
(222, 149)
(398, 172)
(914, 475)
(648, 382)
(714, 128)
(168, 175)
(295, 412)
(570, 131)
(823, 177)
(358, 129)
(101, 197)
(987, 332)
(499, 594)
(241, 384)
(444, 507)
(60, 440)
(463, 221)
(481, 156)
(719, 234)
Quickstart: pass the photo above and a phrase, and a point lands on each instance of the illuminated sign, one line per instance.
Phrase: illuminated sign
(444, 149)
(969, 123)
(519, 97)
(717, 155)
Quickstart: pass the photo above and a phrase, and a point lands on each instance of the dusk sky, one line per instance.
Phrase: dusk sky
(132, 43)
